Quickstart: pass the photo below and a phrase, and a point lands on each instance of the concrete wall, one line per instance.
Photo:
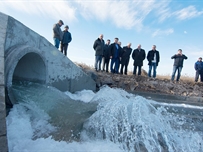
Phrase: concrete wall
(3, 140)
(25, 55)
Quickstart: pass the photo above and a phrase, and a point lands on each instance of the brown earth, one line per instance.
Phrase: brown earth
(131, 83)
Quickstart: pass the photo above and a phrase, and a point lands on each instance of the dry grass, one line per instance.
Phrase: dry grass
(84, 66)
(185, 78)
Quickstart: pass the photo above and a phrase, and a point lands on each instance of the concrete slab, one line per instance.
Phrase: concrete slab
(3, 144)
(3, 124)
(2, 100)
(2, 70)
(3, 138)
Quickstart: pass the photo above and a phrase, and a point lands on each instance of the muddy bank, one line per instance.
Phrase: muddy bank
(162, 90)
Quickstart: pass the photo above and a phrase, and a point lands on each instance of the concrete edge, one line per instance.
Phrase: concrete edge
(3, 130)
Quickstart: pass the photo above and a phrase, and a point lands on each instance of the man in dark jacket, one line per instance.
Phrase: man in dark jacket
(67, 38)
(121, 49)
(115, 51)
(138, 57)
(199, 70)
(106, 56)
(178, 64)
(153, 58)
(57, 33)
(99, 51)
(125, 58)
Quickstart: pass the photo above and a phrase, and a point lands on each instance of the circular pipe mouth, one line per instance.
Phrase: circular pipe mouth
(30, 68)
(23, 63)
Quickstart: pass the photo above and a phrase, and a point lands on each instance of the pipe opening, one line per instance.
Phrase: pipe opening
(30, 67)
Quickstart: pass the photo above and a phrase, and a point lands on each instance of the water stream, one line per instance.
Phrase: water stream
(45, 119)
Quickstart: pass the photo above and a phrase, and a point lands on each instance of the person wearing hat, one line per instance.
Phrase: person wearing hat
(67, 38)
(57, 33)
(199, 70)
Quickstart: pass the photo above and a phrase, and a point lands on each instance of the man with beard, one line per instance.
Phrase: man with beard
(125, 58)
(138, 57)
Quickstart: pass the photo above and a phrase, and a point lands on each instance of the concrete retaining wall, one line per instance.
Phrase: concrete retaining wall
(25, 55)
(3, 140)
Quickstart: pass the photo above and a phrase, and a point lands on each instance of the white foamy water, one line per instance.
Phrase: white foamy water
(84, 95)
(122, 122)
(27, 125)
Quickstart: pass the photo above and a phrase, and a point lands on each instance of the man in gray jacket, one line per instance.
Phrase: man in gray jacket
(57, 33)
(99, 51)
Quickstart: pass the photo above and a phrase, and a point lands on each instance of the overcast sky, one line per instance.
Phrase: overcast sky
(169, 24)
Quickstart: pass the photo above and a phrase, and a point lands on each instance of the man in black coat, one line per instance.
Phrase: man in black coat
(178, 64)
(125, 58)
(121, 49)
(115, 51)
(99, 50)
(138, 57)
(153, 58)
(106, 56)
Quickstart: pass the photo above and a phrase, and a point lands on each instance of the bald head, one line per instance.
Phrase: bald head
(154, 47)
(139, 46)
(101, 36)
(129, 45)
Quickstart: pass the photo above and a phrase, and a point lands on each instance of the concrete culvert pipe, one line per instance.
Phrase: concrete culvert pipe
(23, 63)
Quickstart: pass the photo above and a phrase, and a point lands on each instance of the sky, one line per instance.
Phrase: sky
(168, 24)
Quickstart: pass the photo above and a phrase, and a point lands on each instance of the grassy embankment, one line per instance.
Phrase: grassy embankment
(184, 78)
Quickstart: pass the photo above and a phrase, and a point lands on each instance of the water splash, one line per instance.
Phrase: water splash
(44, 117)
(66, 114)
(138, 125)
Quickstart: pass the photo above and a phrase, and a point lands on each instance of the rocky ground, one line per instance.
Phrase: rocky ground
(142, 83)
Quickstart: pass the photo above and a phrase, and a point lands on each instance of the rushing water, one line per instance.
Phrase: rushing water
(45, 119)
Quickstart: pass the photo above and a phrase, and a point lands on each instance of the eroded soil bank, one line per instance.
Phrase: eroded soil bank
(163, 90)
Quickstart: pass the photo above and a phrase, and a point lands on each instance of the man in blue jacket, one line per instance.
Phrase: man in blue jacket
(67, 38)
(115, 52)
(178, 64)
(199, 70)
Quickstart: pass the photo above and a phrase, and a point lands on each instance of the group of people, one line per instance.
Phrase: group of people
(120, 57)
(62, 38)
